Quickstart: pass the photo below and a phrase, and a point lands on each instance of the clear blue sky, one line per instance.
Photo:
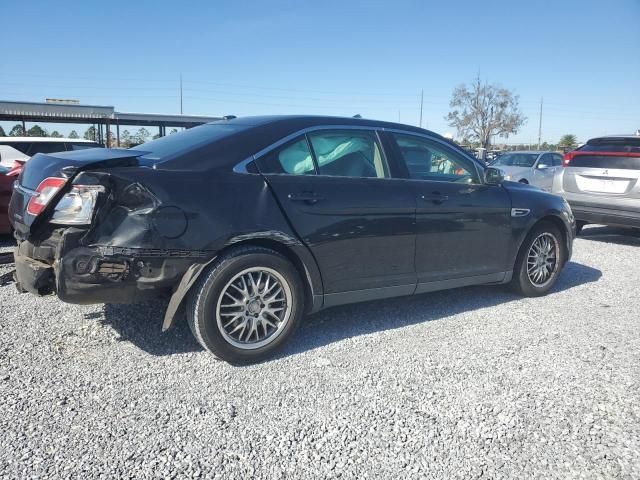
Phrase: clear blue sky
(331, 57)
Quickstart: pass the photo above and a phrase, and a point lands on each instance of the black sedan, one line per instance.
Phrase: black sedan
(255, 222)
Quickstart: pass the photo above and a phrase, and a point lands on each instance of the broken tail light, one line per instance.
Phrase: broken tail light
(76, 206)
(44, 193)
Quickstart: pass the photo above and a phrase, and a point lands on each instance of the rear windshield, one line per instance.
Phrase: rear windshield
(630, 145)
(605, 161)
(166, 147)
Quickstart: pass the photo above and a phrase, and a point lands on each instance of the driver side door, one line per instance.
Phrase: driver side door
(463, 225)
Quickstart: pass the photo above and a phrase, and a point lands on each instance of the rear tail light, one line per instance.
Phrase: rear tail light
(566, 159)
(44, 193)
(77, 205)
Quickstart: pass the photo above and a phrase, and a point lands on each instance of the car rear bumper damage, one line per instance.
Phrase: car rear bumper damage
(605, 216)
(99, 274)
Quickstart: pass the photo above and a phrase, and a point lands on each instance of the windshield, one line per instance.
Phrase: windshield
(176, 143)
(515, 160)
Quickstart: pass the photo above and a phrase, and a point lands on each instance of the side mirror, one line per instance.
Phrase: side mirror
(493, 176)
(542, 165)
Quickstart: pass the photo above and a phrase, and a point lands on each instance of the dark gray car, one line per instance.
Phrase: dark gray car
(601, 181)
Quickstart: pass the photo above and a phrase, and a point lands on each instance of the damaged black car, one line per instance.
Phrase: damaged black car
(253, 223)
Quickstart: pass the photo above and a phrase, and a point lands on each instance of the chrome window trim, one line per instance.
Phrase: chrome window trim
(474, 162)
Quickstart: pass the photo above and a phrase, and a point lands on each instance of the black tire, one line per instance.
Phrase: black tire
(205, 297)
(521, 281)
(579, 227)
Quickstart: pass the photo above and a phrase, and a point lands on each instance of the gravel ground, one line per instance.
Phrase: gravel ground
(461, 384)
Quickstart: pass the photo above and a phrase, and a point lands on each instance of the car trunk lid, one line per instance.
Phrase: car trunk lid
(602, 173)
(64, 166)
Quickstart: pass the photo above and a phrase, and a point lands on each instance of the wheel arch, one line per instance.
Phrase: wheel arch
(307, 268)
(557, 222)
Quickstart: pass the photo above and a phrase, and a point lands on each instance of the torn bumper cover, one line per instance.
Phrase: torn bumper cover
(87, 275)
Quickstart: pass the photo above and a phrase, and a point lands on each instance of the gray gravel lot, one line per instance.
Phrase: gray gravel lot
(462, 384)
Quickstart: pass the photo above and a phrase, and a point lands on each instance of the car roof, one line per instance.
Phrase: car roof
(614, 137)
(305, 121)
(44, 139)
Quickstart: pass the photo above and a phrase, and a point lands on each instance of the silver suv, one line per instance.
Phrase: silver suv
(601, 181)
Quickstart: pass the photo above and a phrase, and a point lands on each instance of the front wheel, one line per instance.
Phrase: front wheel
(539, 261)
(246, 305)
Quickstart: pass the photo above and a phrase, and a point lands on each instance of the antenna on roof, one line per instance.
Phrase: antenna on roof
(229, 117)
(357, 115)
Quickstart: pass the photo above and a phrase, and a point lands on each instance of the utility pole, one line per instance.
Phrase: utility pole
(540, 125)
(421, 105)
(181, 94)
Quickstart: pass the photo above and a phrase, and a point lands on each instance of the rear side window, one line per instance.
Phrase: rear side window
(429, 160)
(348, 153)
(293, 158)
(22, 147)
(82, 146)
(46, 147)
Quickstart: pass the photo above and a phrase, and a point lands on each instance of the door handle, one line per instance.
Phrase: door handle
(307, 197)
(435, 197)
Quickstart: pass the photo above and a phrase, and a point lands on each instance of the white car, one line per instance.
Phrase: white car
(23, 148)
(532, 167)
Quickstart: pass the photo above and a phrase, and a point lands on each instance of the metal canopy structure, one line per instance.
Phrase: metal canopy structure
(99, 115)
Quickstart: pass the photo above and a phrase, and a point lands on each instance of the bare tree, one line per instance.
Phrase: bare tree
(481, 111)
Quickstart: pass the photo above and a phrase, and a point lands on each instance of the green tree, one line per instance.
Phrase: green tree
(36, 131)
(125, 139)
(90, 134)
(73, 134)
(141, 135)
(17, 131)
(55, 134)
(568, 142)
(480, 111)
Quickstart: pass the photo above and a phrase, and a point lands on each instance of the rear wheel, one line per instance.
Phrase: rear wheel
(246, 305)
(539, 261)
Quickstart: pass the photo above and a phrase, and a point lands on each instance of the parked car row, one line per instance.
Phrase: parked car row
(254, 222)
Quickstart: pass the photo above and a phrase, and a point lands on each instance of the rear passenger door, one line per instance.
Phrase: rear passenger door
(334, 186)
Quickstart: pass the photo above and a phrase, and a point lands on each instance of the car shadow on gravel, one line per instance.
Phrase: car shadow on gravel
(141, 324)
(335, 324)
(618, 236)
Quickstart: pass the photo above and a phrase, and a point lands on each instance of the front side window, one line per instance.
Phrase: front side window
(348, 153)
(428, 160)
(557, 160)
(294, 158)
(546, 161)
